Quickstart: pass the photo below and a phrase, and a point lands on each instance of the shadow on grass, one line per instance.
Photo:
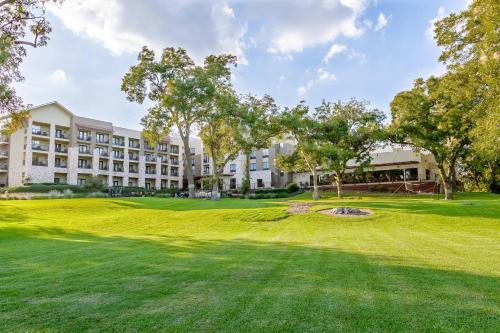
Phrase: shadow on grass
(51, 279)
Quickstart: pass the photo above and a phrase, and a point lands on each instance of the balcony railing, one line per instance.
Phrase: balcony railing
(61, 136)
(4, 153)
(61, 165)
(39, 148)
(85, 151)
(40, 132)
(84, 138)
(39, 163)
(146, 147)
(4, 138)
(174, 150)
(133, 158)
(134, 145)
(133, 170)
(105, 141)
(3, 167)
(174, 174)
(119, 143)
(85, 166)
(150, 159)
(150, 172)
(104, 167)
(117, 169)
(174, 162)
(103, 153)
(61, 150)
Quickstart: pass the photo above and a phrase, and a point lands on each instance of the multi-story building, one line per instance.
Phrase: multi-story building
(56, 146)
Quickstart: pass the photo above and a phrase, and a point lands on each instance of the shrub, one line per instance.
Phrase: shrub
(292, 188)
(94, 184)
(97, 195)
(41, 188)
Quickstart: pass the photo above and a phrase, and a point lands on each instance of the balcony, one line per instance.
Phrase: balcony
(4, 153)
(40, 132)
(103, 153)
(206, 160)
(133, 170)
(64, 166)
(102, 141)
(85, 166)
(118, 143)
(133, 158)
(61, 150)
(135, 145)
(174, 162)
(147, 147)
(85, 152)
(150, 172)
(174, 174)
(103, 168)
(39, 163)
(150, 158)
(174, 150)
(4, 139)
(61, 136)
(3, 167)
(118, 169)
(84, 138)
(118, 156)
(39, 148)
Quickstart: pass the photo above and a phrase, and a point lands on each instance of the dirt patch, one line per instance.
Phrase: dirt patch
(355, 213)
(299, 208)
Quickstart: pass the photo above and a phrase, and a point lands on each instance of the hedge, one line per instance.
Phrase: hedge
(45, 188)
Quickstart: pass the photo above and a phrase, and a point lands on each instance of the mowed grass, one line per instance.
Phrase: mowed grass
(147, 264)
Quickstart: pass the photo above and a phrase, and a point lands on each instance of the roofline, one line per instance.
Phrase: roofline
(52, 103)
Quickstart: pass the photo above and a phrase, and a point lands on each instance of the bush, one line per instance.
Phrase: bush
(94, 184)
(292, 188)
(271, 191)
(41, 188)
(97, 195)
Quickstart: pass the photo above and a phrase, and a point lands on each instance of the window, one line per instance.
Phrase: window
(192, 150)
(57, 162)
(232, 167)
(282, 173)
(83, 149)
(232, 183)
(59, 134)
(116, 183)
(35, 129)
(148, 186)
(427, 174)
(56, 180)
(265, 152)
(265, 165)
(253, 166)
(81, 181)
(206, 170)
(83, 135)
(253, 154)
(101, 138)
(260, 183)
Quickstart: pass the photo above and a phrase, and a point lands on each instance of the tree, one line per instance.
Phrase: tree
(22, 24)
(471, 48)
(216, 130)
(436, 115)
(255, 126)
(347, 132)
(297, 123)
(178, 90)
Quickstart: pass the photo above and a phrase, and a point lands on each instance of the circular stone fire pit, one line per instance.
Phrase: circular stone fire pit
(346, 211)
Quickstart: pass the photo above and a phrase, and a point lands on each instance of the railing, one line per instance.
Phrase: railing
(119, 143)
(133, 158)
(84, 151)
(103, 153)
(39, 163)
(104, 168)
(61, 136)
(84, 166)
(146, 147)
(133, 171)
(3, 167)
(102, 141)
(150, 172)
(118, 156)
(136, 145)
(4, 153)
(174, 162)
(116, 169)
(84, 138)
(44, 133)
(39, 148)
(61, 166)
(174, 174)
(61, 150)
(174, 150)
(150, 159)
(4, 138)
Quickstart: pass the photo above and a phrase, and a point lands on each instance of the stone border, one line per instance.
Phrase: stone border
(364, 213)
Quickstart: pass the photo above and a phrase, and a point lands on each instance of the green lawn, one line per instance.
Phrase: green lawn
(147, 264)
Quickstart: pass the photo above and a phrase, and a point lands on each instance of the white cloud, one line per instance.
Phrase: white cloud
(334, 49)
(58, 76)
(124, 26)
(323, 75)
(294, 25)
(303, 90)
(382, 21)
(429, 33)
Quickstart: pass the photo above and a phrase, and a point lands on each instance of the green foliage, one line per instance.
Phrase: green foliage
(292, 188)
(44, 188)
(94, 184)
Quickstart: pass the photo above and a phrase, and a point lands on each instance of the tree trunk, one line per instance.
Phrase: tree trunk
(188, 162)
(447, 184)
(493, 186)
(247, 173)
(215, 186)
(315, 185)
(339, 183)
(454, 180)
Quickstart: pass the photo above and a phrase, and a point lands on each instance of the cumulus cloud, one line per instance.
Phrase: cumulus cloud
(429, 33)
(202, 27)
(323, 75)
(334, 49)
(382, 21)
(58, 76)
(291, 26)
(303, 90)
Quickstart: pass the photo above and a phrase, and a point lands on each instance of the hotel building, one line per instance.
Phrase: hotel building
(56, 146)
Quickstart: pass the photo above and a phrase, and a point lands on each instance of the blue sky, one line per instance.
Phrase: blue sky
(292, 50)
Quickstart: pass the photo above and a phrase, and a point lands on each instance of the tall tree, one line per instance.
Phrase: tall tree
(347, 132)
(22, 24)
(178, 90)
(302, 129)
(470, 41)
(436, 115)
(255, 126)
(216, 124)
